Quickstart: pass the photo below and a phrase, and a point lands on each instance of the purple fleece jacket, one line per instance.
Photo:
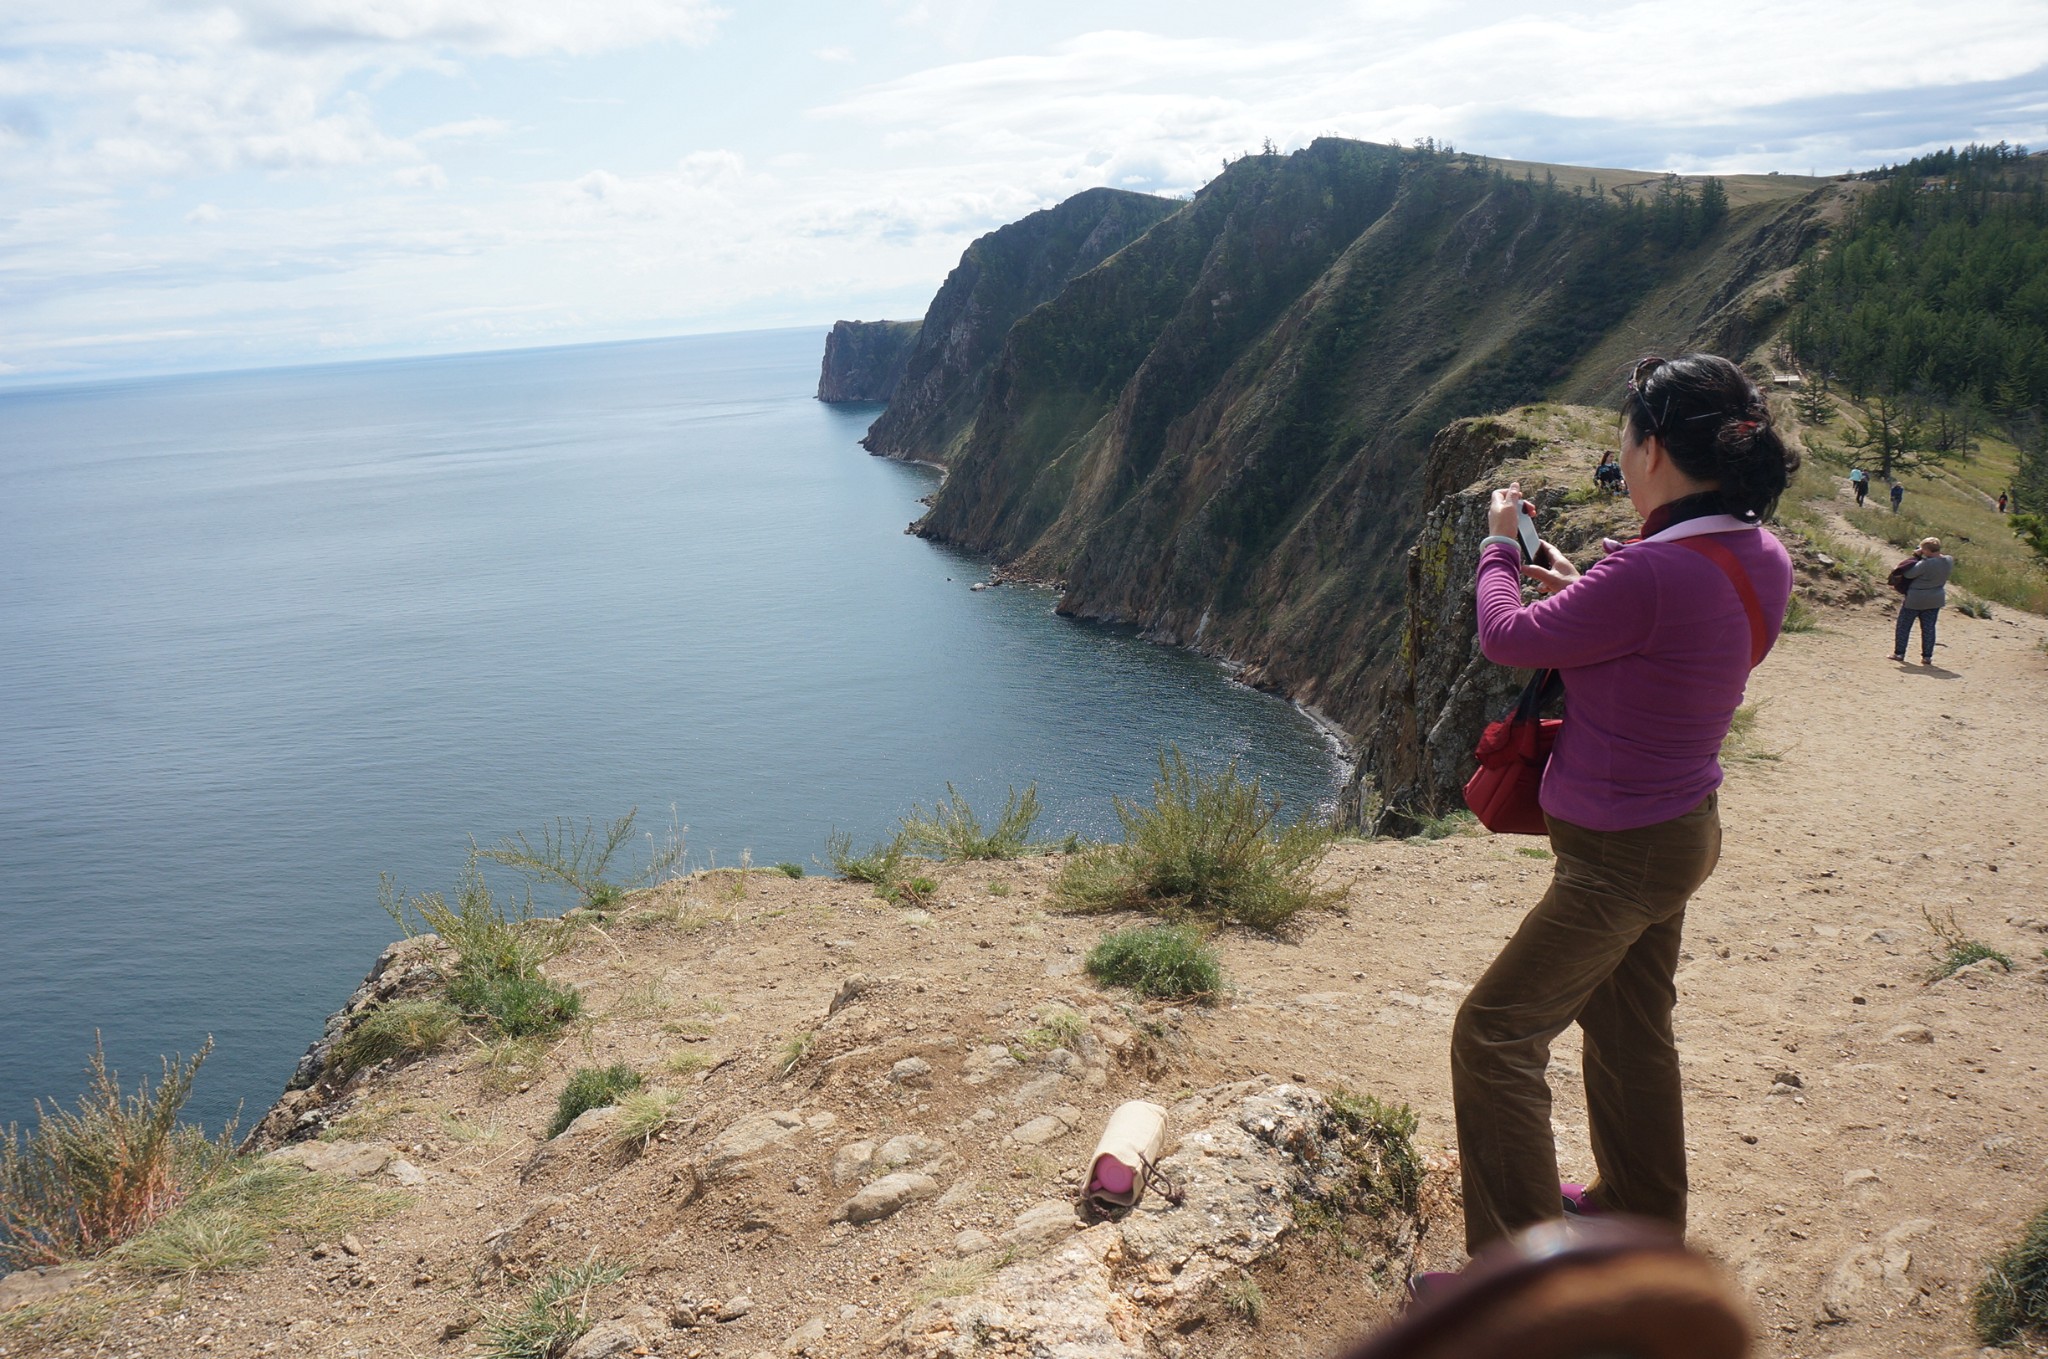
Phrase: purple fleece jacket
(1654, 646)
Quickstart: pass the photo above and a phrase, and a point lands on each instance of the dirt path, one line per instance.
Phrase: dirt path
(1860, 1140)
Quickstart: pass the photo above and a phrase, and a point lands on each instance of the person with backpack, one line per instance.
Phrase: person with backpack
(1655, 643)
(1898, 494)
(1859, 482)
(1923, 579)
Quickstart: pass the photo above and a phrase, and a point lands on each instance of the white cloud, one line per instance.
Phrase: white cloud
(833, 53)
(420, 177)
(468, 129)
(205, 214)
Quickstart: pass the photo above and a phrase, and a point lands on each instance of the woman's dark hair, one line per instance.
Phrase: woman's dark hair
(1716, 425)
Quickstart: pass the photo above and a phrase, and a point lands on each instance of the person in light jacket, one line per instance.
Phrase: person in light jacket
(1924, 599)
(1655, 643)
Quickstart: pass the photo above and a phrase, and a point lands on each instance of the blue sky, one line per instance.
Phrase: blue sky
(192, 184)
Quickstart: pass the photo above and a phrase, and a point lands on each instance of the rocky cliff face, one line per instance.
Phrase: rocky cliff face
(1219, 434)
(1439, 692)
(864, 360)
(999, 279)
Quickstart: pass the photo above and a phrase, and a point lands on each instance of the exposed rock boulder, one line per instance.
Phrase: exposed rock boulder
(886, 1197)
(1116, 1290)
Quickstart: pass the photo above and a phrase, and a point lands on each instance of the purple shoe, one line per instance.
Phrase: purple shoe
(1576, 1202)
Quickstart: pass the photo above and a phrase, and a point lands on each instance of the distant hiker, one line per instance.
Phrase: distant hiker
(1607, 476)
(1898, 494)
(2001, 502)
(1654, 643)
(1859, 482)
(1926, 575)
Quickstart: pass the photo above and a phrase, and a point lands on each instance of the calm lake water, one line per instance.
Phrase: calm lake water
(264, 636)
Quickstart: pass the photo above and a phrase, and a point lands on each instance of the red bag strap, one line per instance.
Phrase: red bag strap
(1717, 553)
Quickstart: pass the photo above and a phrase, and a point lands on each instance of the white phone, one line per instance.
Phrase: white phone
(1532, 543)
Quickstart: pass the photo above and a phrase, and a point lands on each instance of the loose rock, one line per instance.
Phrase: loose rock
(887, 1197)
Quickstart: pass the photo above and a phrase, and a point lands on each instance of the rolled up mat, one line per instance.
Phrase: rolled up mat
(1134, 1138)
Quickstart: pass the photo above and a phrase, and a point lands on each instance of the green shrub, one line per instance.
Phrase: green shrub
(555, 1316)
(592, 1088)
(1955, 949)
(1390, 1169)
(1973, 608)
(790, 870)
(1800, 616)
(516, 1007)
(1206, 847)
(405, 1028)
(83, 1182)
(880, 866)
(954, 834)
(1166, 961)
(496, 977)
(580, 858)
(2013, 1295)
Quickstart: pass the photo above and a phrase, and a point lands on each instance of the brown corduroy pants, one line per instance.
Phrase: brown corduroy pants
(1600, 949)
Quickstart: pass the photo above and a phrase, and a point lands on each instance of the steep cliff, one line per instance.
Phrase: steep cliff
(1219, 434)
(864, 360)
(1000, 278)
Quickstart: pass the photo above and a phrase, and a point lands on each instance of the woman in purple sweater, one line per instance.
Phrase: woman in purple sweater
(1655, 642)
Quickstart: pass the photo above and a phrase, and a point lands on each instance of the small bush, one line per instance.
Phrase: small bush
(580, 858)
(1460, 822)
(1800, 616)
(517, 1007)
(790, 870)
(880, 866)
(1166, 961)
(592, 1088)
(1242, 1296)
(794, 1049)
(496, 978)
(954, 834)
(405, 1028)
(999, 887)
(1390, 1169)
(911, 891)
(1973, 608)
(2013, 1296)
(643, 1116)
(555, 1316)
(1058, 1027)
(1207, 847)
(83, 1182)
(1956, 950)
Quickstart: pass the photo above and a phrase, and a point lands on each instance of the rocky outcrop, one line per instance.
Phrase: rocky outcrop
(1252, 1155)
(407, 968)
(1000, 278)
(864, 360)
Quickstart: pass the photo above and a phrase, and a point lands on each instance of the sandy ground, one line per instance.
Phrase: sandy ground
(1854, 1201)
